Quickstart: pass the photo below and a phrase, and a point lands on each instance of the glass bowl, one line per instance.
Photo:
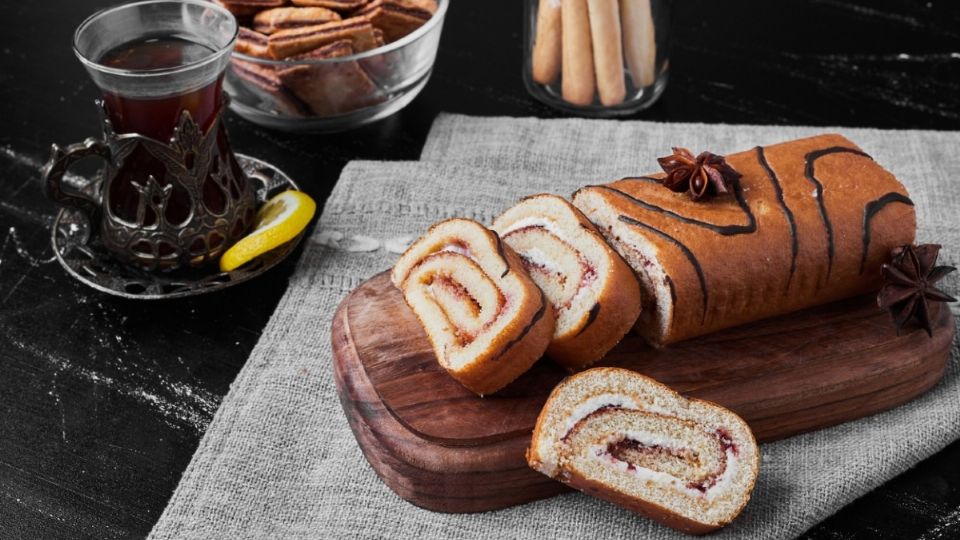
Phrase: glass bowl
(335, 94)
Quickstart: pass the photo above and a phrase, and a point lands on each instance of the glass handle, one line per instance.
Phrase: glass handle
(61, 159)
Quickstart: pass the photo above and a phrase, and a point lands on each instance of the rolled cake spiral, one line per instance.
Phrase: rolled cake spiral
(628, 439)
(485, 317)
(595, 294)
(809, 222)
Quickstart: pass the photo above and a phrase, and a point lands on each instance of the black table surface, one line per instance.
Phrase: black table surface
(103, 401)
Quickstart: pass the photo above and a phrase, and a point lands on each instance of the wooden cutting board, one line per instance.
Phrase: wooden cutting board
(441, 447)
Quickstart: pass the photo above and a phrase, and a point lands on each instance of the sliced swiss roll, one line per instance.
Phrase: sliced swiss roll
(804, 223)
(595, 294)
(625, 438)
(486, 319)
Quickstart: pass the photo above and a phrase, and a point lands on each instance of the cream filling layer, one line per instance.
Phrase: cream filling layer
(548, 224)
(599, 401)
(455, 248)
(540, 258)
(653, 439)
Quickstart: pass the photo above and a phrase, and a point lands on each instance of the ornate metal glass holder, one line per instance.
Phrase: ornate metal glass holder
(161, 205)
(78, 246)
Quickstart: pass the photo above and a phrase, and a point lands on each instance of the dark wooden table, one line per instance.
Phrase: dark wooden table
(103, 401)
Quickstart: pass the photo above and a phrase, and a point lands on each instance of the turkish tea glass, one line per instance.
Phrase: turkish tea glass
(172, 194)
(597, 57)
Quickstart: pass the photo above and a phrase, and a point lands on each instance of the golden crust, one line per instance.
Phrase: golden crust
(647, 509)
(746, 276)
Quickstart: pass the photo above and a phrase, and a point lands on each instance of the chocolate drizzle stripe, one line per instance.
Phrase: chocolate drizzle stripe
(791, 221)
(536, 318)
(687, 253)
(594, 311)
(810, 173)
(872, 209)
(503, 256)
(673, 290)
(725, 230)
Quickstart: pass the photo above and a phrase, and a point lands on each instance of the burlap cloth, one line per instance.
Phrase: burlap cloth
(279, 460)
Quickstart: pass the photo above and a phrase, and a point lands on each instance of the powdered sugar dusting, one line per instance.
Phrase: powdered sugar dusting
(178, 404)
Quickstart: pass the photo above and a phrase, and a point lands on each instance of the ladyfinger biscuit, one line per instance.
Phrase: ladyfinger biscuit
(396, 18)
(546, 45)
(607, 54)
(358, 30)
(607, 51)
(639, 41)
(339, 5)
(577, 86)
(285, 18)
(331, 88)
(252, 43)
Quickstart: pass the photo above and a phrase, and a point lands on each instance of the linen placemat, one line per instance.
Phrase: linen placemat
(279, 459)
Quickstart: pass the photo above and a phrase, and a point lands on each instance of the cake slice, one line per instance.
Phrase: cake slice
(627, 439)
(595, 294)
(485, 317)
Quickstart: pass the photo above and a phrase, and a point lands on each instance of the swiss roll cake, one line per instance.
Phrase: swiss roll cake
(593, 291)
(627, 439)
(485, 317)
(807, 222)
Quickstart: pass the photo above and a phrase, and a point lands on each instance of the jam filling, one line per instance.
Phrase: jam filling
(727, 445)
(637, 454)
(458, 291)
(455, 289)
(588, 271)
(533, 266)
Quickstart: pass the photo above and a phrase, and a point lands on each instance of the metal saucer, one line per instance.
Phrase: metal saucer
(77, 247)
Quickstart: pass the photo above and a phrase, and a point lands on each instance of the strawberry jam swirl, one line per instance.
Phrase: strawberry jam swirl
(588, 272)
(645, 458)
(453, 289)
(635, 456)
(458, 291)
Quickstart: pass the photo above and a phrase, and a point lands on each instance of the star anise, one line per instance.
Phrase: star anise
(908, 289)
(701, 177)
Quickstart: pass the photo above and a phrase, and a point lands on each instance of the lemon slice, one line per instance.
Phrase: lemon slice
(279, 220)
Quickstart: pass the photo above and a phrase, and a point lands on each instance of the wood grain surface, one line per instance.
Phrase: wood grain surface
(441, 447)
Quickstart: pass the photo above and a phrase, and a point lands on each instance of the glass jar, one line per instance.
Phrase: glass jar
(597, 57)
